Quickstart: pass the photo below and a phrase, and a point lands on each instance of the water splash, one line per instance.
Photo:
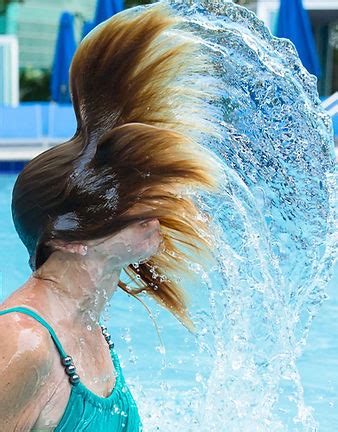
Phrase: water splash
(273, 231)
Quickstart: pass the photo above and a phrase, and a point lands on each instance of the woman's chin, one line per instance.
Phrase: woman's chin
(150, 248)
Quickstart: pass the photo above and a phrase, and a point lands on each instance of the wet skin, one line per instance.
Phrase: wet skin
(72, 290)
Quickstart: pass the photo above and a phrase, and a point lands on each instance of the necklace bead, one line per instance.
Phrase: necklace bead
(107, 336)
(67, 361)
(74, 379)
(111, 344)
(70, 370)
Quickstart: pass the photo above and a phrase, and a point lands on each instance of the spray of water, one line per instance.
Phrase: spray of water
(272, 228)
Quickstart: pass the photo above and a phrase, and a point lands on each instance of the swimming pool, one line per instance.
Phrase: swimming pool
(142, 356)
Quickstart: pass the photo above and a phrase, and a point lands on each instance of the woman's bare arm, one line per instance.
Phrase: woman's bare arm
(25, 363)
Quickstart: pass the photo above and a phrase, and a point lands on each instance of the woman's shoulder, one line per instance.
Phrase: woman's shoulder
(21, 329)
(25, 363)
(23, 340)
(20, 333)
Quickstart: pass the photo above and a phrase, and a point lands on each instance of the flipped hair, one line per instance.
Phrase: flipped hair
(142, 108)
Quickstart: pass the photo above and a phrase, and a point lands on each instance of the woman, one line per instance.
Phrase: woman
(96, 205)
(75, 280)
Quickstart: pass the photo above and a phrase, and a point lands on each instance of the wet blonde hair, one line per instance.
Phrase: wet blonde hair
(138, 86)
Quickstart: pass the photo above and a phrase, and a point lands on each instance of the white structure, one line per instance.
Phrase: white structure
(9, 70)
(35, 22)
(331, 104)
(267, 10)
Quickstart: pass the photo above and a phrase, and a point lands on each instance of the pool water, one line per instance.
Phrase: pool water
(147, 369)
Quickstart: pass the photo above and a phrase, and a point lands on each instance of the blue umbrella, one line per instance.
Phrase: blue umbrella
(294, 24)
(107, 8)
(104, 10)
(87, 27)
(118, 6)
(65, 49)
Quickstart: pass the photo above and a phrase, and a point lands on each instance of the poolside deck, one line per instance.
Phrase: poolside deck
(20, 154)
(26, 153)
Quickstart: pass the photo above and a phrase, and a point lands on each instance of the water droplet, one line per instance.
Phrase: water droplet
(199, 377)
(164, 386)
(236, 364)
(160, 349)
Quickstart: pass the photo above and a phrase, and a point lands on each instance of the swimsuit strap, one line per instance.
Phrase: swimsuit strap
(66, 360)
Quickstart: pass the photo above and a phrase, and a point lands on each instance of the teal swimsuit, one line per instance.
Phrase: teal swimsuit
(85, 410)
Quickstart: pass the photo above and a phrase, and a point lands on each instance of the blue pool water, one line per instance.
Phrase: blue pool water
(137, 344)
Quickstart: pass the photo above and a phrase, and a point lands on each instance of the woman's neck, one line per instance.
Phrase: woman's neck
(75, 289)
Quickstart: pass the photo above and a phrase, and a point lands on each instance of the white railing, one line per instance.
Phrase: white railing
(9, 70)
